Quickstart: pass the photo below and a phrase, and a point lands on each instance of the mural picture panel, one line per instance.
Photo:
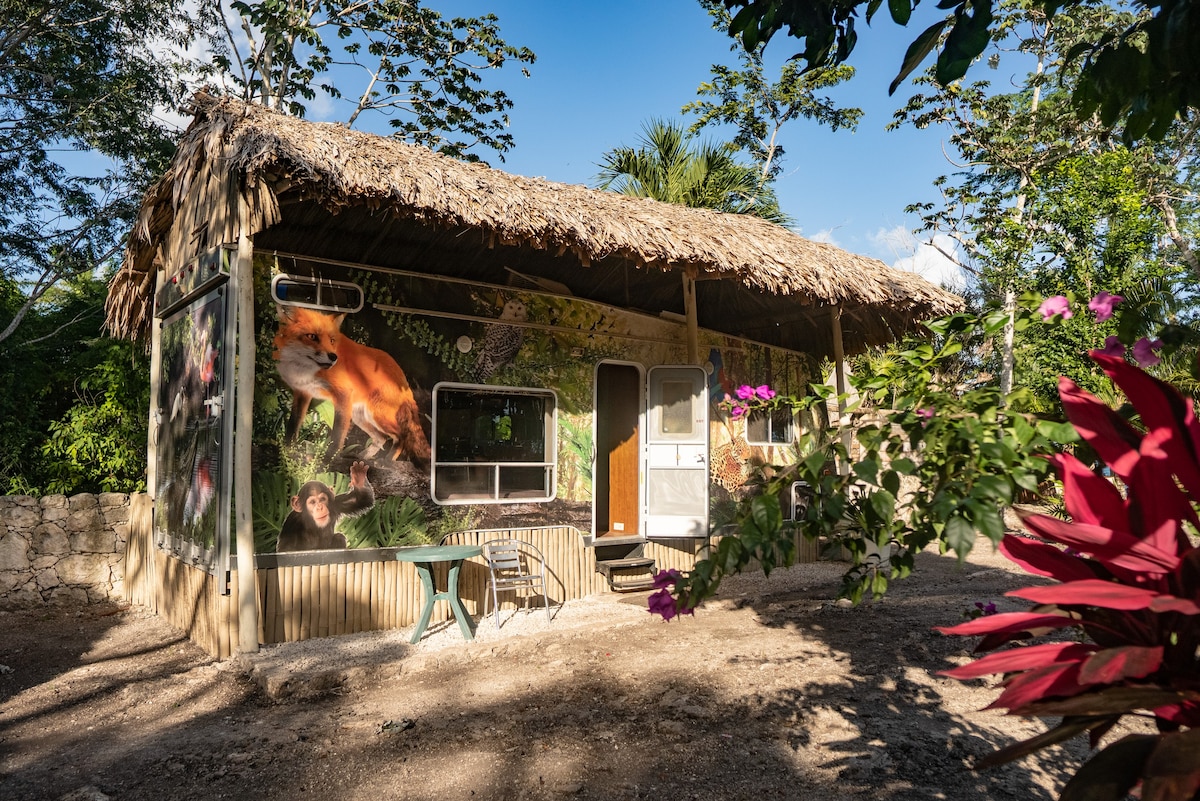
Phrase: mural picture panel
(190, 408)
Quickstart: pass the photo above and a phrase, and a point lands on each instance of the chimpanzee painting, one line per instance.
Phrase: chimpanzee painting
(311, 524)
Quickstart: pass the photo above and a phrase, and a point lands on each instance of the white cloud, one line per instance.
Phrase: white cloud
(922, 258)
(825, 236)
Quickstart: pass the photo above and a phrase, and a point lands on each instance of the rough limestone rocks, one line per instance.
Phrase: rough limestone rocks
(62, 550)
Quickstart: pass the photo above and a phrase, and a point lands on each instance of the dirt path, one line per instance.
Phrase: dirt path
(773, 691)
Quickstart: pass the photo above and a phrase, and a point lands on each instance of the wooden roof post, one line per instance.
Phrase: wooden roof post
(839, 372)
(689, 310)
(243, 298)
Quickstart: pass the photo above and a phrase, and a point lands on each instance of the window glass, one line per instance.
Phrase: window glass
(493, 444)
(676, 407)
(316, 293)
(775, 427)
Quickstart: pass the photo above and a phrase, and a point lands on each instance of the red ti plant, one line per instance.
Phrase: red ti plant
(1129, 586)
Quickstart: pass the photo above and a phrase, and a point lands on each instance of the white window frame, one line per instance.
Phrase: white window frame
(318, 284)
(486, 477)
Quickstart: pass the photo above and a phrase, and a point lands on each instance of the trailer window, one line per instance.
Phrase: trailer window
(775, 427)
(316, 293)
(493, 444)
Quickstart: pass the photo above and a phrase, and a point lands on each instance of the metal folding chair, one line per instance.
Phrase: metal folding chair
(514, 565)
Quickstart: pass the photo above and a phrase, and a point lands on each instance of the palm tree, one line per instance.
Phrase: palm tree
(667, 166)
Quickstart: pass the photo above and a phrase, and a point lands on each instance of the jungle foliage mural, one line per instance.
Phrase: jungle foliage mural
(345, 405)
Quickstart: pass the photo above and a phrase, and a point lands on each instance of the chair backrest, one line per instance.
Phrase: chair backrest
(504, 555)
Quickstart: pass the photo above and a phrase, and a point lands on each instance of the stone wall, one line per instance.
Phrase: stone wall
(62, 550)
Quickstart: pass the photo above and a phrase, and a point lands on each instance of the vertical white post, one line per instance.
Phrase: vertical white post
(243, 285)
(839, 372)
(155, 388)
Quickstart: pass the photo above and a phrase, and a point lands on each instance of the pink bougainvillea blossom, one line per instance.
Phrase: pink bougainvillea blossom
(764, 392)
(745, 392)
(1103, 304)
(1112, 347)
(666, 578)
(1056, 306)
(1144, 351)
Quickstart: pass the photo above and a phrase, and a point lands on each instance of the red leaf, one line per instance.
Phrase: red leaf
(1113, 439)
(1009, 623)
(1161, 408)
(1090, 498)
(1091, 592)
(1183, 714)
(1157, 505)
(1035, 685)
(1017, 659)
(1115, 664)
(1043, 559)
(1172, 773)
(1108, 546)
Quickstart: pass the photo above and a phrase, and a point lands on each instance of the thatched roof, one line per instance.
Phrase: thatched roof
(326, 191)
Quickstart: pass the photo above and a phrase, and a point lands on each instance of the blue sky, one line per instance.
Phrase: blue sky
(604, 69)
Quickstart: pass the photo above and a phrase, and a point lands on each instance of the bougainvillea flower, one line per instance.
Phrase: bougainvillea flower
(662, 603)
(1056, 306)
(738, 410)
(666, 578)
(764, 392)
(1112, 347)
(1103, 304)
(745, 392)
(1144, 351)
(927, 412)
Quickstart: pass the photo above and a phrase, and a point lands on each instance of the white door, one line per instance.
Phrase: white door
(676, 452)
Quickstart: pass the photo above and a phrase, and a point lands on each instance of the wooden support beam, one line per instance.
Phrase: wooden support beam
(690, 312)
(243, 301)
(839, 372)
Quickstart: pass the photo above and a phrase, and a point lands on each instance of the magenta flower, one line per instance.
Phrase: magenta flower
(666, 578)
(764, 392)
(1055, 306)
(663, 603)
(1103, 304)
(738, 410)
(745, 392)
(1144, 351)
(926, 413)
(1112, 347)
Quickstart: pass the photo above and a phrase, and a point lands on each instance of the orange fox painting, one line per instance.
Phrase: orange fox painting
(364, 384)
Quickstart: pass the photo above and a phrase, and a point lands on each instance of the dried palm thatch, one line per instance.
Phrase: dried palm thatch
(325, 190)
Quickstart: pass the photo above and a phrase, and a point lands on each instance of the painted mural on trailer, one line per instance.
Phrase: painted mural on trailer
(189, 422)
(434, 406)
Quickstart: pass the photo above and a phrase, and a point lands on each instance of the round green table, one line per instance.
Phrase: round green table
(423, 557)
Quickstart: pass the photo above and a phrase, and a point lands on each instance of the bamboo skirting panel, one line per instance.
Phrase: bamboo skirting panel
(139, 552)
(187, 597)
(300, 602)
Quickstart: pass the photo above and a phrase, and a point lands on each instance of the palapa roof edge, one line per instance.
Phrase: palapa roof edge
(340, 167)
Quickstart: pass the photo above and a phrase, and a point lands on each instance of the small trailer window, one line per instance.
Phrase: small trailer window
(775, 427)
(317, 293)
(493, 444)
